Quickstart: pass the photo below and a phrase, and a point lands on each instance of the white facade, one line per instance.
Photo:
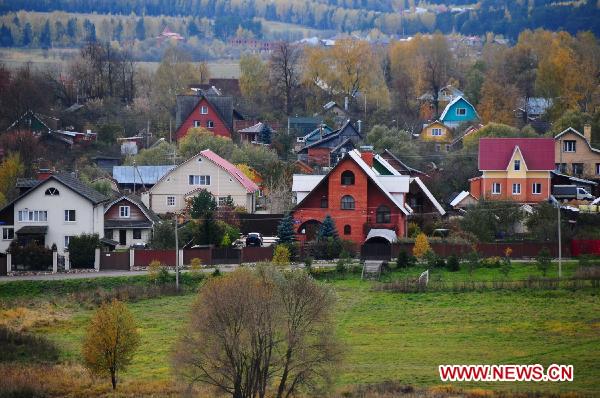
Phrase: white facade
(170, 193)
(88, 218)
(144, 237)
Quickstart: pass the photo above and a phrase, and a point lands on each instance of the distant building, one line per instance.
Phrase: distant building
(139, 178)
(575, 155)
(213, 113)
(128, 221)
(437, 133)
(324, 147)
(458, 111)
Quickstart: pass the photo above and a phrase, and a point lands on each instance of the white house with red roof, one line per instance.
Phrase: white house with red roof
(516, 169)
(206, 170)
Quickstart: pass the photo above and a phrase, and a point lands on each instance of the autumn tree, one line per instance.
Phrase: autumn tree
(110, 341)
(421, 246)
(254, 79)
(284, 67)
(11, 168)
(261, 333)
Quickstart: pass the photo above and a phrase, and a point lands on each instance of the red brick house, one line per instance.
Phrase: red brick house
(363, 194)
(516, 169)
(213, 113)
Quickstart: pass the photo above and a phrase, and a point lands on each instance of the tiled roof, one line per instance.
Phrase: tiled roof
(76, 185)
(231, 169)
(495, 153)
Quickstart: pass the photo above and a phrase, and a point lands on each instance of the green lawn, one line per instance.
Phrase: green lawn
(404, 337)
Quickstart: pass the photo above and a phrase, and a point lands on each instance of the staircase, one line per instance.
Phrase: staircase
(371, 269)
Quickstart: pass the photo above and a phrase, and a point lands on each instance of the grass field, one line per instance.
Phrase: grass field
(390, 336)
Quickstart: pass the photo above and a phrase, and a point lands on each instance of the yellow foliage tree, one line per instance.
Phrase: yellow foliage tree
(421, 246)
(281, 255)
(111, 340)
(248, 171)
(10, 169)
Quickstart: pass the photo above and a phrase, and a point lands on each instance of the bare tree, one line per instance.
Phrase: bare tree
(253, 330)
(285, 74)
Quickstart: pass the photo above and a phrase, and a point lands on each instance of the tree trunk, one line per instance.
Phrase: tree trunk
(113, 379)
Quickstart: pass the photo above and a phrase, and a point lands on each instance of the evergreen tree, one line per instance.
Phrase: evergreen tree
(327, 229)
(118, 33)
(90, 31)
(203, 205)
(46, 36)
(140, 29)
(193, 29)
(285, 230)
(26, 40)
(72, 29)
(6, 37)
(59, 28)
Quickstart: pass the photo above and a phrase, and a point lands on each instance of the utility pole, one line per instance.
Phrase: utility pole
(176, 255)
(170, 139)
(148, 133)
(559, 246)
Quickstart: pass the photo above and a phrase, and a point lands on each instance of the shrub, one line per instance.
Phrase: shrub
(413, 230)
(505, 266)
(31, 256)
(405, 260)
(82, 250)
(543, 260)
(281, 255)
(472, 262)
(431, 259)
(154, 270)
(340, 266)
(453, 263)
(196, 264)
(216, 272)
(492, 262)
(586, 260)
(18, 346)
(308, 261)
(421, 247)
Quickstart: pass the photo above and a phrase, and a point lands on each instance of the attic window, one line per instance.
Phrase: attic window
(210, 124)
(461, 111)
(51, 192)
(436, 131)
(204, 110)
(517, 165)
(347, 178)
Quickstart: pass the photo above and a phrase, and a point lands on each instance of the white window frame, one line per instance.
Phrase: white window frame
(124, 211)
(517, 165)
(197, 123)
(6, 235)
(68, 215)
(210, 124)
(534, 186)
(567, 147)
(496, 191)
(462, 113)
(173, 199)
(67, 241)
(436, 132)
(32, 215)
(516, 191)
(204, 110)
(194, 179)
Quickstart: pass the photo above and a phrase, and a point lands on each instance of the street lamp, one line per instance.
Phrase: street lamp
(176, 255)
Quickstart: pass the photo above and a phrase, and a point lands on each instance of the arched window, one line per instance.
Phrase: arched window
(347, 230)
(52, 192)
(347, 202)
(347, 178)
(383, 214)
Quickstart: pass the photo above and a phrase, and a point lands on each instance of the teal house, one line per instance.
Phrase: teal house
(458, 111)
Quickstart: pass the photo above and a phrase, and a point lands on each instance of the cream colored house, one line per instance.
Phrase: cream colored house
(574, 154)
(206, 170)
(438, 133)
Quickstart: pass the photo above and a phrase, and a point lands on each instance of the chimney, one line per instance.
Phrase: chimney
(346, 104)
(43, 174)
(359, 122)
(587, 132)
(366, 153)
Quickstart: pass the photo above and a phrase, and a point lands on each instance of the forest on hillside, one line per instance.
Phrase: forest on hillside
(391, 17)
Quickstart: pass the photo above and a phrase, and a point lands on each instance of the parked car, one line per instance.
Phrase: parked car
(254, 239)
(571, 192)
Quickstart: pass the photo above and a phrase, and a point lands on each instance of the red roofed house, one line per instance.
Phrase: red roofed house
(206, 170)
(363, 193)
(517, 169)
(211, 112)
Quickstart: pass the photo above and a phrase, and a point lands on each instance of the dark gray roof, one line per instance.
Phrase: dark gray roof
(111, 224)
(33, 230)
(81, 188)
(26, 182)
(186, 104)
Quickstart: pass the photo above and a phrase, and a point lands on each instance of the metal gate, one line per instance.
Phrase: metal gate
(114, 261)
(226, 255)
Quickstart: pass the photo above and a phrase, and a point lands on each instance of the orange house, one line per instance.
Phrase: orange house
(515, 169)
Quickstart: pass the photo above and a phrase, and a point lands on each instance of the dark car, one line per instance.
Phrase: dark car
(254, 239)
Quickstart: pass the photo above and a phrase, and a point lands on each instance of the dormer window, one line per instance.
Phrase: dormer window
(347, 178)
(517, 165)
(124, 211)
(51, 192)
(204, 110)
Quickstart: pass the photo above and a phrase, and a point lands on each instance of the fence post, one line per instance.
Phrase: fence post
(97, 259)
(54, 260)
(180, 254)
(8, 262)
(67, 260)
(131, 258)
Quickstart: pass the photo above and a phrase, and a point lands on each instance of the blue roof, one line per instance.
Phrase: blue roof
(148, 175)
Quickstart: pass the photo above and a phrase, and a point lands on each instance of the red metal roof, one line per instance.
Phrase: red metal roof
(495, 153)
(231, 169)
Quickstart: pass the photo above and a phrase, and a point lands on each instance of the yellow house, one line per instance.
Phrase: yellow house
(438, 133)
(575, 155)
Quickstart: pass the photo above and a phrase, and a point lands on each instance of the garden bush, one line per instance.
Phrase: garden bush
(31, 257)
(453, 263)
(405, 260)
(281, 255)
(82, 250)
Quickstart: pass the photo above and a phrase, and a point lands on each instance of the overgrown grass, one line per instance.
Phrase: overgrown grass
(397, 338)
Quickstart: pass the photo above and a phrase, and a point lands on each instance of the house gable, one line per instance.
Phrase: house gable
(436, 131)
(137, 212)
(198, 119)
(459, 110)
